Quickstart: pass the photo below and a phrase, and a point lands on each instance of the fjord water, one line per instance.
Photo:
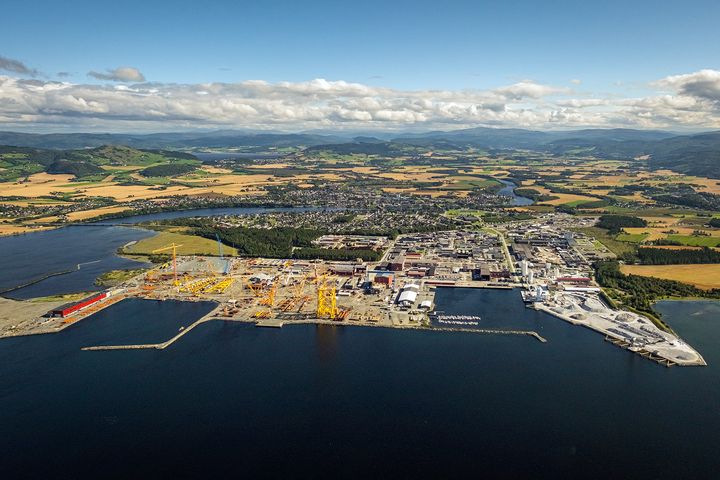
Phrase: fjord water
(233, 400)
(32, 256)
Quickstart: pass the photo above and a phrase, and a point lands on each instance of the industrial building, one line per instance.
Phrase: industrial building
(70, 308)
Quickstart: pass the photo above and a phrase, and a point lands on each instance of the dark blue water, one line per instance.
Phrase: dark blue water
(233, 400)
(31, 256)
(509, 191)
(512, 313)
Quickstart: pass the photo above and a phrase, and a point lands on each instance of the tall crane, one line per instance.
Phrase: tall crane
(326, 299)
(226, 269)
(220, 245)
(173, 246)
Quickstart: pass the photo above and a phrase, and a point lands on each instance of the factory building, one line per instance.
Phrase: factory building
(70, 308)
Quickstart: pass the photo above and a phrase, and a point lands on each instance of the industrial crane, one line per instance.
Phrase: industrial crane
(173, 246)
(326, 299)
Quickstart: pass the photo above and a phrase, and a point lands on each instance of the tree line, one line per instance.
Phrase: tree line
(665, 256)
(641, 292)
(615, 223)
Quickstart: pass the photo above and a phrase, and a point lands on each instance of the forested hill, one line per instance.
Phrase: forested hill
(19, 162)
(689, 154)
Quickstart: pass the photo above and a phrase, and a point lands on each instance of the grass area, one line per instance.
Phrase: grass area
(67, 297)
(704, 276)
(191, 245)
(116, 277)
(575, 203)
(631, 237)
(614, 245)
(695, 241)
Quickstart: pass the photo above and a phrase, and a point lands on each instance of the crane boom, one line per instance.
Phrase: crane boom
(173, 246)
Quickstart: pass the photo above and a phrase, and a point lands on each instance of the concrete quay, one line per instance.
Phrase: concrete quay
(626, 330)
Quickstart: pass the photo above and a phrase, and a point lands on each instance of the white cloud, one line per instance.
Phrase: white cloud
(120, 74)
(681, 101)
(704, 84)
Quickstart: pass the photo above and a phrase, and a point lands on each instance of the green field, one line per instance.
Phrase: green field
(575, 203)
(631, 237)
(191, 245)
(694, 241)
(614, 245)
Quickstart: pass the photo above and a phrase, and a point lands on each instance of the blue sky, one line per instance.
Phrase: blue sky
(614, 48)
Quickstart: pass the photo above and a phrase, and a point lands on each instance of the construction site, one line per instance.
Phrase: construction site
(272, 292)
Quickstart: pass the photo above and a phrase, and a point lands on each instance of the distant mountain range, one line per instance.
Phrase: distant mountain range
(697, 154)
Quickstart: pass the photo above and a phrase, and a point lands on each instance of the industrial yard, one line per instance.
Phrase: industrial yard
(552, 267)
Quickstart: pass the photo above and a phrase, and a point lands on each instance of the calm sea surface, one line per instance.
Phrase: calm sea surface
(235, 401)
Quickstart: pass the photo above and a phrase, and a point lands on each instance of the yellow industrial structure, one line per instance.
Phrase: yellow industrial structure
(326, 300)
(173, 246)
(269, 299)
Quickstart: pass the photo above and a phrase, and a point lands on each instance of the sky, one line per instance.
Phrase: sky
(402, 65)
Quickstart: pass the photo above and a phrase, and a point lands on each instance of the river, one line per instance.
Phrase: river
(509, 191)
(350, 402)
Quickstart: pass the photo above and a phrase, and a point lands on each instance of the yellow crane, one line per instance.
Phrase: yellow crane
(269, 299)
(173, 246)
(326, 299)
(256, 288)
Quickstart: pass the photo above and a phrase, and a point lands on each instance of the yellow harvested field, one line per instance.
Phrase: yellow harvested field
(269, 166)
(217, 170)
(365, 170)
(412, 175)
(7, 229)
(87, 214)
(708, 185)
(38, 185)
(42, 184)
(704, 276)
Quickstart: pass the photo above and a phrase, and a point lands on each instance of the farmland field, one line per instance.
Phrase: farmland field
(705, 276)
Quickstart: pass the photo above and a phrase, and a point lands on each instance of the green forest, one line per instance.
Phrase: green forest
(615, 223)
(662, 256)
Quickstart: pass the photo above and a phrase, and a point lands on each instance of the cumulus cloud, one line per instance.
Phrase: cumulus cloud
(16, 66)
(120, 74)
(681, 101)
(704, 84)
(528, 89)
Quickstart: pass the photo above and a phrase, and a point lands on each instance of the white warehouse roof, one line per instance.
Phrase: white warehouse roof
(408, 296)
